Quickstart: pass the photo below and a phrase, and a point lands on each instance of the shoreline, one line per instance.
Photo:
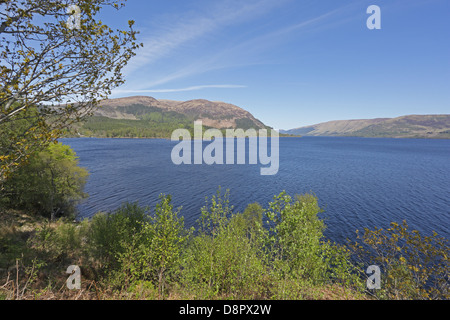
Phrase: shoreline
(291, 136)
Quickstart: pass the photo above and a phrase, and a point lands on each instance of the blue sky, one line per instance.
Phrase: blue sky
(291, 62)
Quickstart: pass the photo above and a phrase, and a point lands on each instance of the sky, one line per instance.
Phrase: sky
(292, 63)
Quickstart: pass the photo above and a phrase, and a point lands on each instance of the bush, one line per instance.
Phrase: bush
(233, 255)
(137, 246)
(61, 240)
(49, 184)
(225, 257)
(413, 266)
(298, 253)
(295, 234)
(111, 233)
(161, 243)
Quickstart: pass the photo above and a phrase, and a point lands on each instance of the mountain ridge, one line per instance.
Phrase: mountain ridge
(410, 126)
(147, 117)
(215, 114)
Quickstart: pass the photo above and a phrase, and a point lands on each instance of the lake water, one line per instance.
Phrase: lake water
(359, 182)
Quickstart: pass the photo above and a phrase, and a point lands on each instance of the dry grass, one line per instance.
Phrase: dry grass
(24, 277)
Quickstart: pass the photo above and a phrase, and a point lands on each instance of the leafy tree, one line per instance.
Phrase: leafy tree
(145, 247)
(214, 217)
(253, 215)
(298, 248)
(251, 222)
(168, 237)
(225, 257)
(50, 183)
(112, 232)
(413, 266)
(47, 63)
(18, 139)
(296, 232)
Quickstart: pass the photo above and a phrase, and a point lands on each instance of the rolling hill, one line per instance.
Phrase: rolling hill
(147, 117)
(411, 126)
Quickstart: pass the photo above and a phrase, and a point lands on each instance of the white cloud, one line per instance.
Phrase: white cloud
(193, 88)
(179, 31)
(173, 37)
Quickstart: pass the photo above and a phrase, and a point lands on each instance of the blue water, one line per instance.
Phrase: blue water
(359, 182)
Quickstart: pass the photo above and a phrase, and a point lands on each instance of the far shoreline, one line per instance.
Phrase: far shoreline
(289, 137)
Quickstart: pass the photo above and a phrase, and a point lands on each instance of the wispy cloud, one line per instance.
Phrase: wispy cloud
(240, 54)
(179, 31)
(173, 38)
(193, 88)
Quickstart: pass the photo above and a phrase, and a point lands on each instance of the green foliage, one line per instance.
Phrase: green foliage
(168, 237)
(19, 139)
(225, 257)
(297, 250)
(151, 125)
(38, 57)
(137, 246)
(413, 266)
(214, 218)
(51, 183)
(111, 233)
(251, 221)
(296, 233)
(155, 252)
(61, 241)
(232, 255)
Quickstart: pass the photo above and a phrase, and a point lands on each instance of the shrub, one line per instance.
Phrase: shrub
(111, 233)
(297, 249)
(148, 247)
(413, 266)
(224, 258)
(61, 240)
(295, 234)
(50, 183)
(165, 238)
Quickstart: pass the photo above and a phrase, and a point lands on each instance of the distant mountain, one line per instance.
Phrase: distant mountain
(218, 115)
(142, 116)
(412, 126)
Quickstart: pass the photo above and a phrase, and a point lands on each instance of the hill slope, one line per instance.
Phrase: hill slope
(412, 126)
(142, 116)
(218, 115)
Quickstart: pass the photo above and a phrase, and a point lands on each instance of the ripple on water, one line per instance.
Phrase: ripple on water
(360, 182)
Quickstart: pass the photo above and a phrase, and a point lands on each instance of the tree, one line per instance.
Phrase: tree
(168, 238)
(413, 266)
(61, 70)
(50, 183)
(146, 249)
(225, 257)
(297, 231)
(18, 140)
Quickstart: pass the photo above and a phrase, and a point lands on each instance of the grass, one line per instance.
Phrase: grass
(29, 271)
(136, 254)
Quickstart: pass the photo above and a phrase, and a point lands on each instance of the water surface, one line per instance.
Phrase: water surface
(360, 182)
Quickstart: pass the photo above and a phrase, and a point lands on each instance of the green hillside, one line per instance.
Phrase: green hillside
(413, 126)
(103, 127)
(146, 117)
